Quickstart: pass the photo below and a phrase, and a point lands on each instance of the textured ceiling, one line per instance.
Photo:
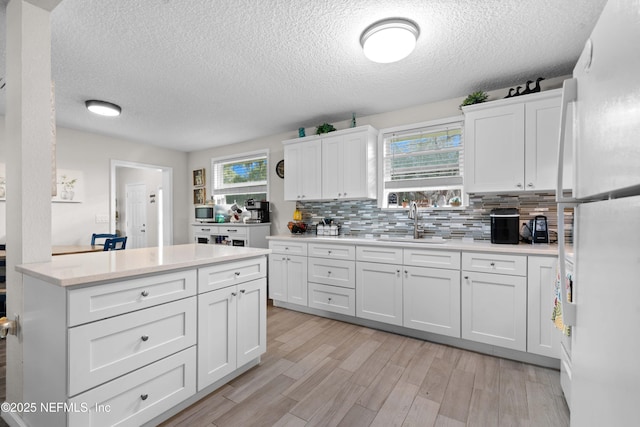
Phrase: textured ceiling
(192, 74)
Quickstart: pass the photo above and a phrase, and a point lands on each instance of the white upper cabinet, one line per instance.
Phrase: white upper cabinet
(303, 176)
(338, 165)
(511, 145)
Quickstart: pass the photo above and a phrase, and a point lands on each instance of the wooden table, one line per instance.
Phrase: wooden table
(75, 249)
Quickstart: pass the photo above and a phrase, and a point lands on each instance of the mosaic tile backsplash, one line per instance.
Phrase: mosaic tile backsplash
(363, 218)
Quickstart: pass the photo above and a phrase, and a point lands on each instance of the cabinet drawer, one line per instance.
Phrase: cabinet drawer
(430, 258)
(140, 396)
(332, 272)
(205, 230)
(99, 302)
(101, 351)
(291, 248)
(495, 263)
(231, 231)
(231, 273)
(324, 250)
(332, 298)
(379, 254)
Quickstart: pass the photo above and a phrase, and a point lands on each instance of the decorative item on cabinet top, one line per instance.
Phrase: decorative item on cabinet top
(527, 88)
(474, 98)
(325, 128)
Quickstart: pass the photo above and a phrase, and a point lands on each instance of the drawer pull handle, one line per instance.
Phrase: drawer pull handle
(145, 293)
(493, 264)
(237, 273)
(144, 396)
(144, 337)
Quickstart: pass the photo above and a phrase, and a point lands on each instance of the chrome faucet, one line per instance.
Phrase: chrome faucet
(413, 214)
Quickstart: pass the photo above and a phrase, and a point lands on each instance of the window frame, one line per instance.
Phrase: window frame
(437, 123)
(229, 189)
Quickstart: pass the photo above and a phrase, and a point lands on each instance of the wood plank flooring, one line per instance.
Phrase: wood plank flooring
(321, 372)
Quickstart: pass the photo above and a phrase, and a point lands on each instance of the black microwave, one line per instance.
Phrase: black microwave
(205, 213)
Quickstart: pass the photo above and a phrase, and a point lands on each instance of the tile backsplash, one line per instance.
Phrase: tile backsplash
(363, 217)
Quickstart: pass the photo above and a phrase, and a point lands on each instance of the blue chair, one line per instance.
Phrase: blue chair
(115, 244)
(101, 236)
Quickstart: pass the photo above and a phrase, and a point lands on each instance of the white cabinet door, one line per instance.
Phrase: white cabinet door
(217, 326)
(432, 300)
(348, 163)
(303, 177)
(494, 149)
(542, 120)
(379, 292)
(278, 277)
(297, 280)
(252, 320)
(494, 309)
(542, 336)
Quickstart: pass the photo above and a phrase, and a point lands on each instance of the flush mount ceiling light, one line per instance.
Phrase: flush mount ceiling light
(103, 108)
(389, 40)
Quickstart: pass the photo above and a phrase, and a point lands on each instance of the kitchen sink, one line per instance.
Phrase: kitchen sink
(428, 240)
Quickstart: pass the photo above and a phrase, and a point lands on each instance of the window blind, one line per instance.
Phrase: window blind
(245, 174)
(424, 158)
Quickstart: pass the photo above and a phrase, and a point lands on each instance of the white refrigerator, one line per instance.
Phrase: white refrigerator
(604, 96)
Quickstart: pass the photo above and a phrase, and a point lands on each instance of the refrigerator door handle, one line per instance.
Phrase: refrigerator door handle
(568, 308)
(569, 94)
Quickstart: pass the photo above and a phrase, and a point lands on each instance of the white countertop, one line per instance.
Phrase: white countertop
(69, 270)
(445, 244)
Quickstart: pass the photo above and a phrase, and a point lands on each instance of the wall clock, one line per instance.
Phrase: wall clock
(280, 169)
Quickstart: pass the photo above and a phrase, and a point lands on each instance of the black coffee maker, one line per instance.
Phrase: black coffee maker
(259, 211)
(536, 231)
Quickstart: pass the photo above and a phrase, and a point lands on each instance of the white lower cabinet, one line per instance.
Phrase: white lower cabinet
(379, 292)
(494, 309)
(137, 397)
(232, 329)
(542, 336)
(432, 300)
(288, 278)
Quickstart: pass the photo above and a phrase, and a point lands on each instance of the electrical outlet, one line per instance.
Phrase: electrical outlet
(102, 219)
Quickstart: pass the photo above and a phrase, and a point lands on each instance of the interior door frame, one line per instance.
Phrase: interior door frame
(167, 196)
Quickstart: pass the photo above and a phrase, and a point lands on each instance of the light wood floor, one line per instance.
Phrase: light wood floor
(321, 372)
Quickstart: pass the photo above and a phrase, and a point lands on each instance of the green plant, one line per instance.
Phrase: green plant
(475, 98)
(324, 128)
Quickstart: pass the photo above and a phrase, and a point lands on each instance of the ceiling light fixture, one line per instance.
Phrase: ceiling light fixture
(103, 108)
(389, 40)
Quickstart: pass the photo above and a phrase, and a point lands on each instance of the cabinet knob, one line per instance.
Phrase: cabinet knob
(233, 294)
(466, 277)
(328, 252)
(288, 259)
(144, 293)
(493, 264)
(284, 258)
(398, 272)
(328, 273)
(530, 185)
(329, 299)
(144, 396)
(144, 337)
(339, 194)
(237, 273)
(519, 185)
(242, 291)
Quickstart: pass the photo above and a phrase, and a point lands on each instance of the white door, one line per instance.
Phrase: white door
(217, 326)
(136, 216)
(379, 292)
(278, 277)
(252, 320)
(432, 300)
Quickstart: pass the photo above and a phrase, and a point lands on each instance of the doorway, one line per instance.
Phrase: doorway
(155, 203)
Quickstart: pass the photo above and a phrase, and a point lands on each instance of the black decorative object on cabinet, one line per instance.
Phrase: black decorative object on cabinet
(527, 88)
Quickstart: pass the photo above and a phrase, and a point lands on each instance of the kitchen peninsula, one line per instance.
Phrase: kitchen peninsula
(139, 334)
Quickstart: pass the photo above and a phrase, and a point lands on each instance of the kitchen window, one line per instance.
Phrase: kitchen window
(238, 178)
(422, 162)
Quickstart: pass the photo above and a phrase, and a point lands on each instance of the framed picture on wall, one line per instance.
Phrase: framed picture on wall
(199, 196)
(198, 178)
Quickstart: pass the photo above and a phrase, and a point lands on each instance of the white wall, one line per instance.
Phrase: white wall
(282, 211)
(73, 223)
